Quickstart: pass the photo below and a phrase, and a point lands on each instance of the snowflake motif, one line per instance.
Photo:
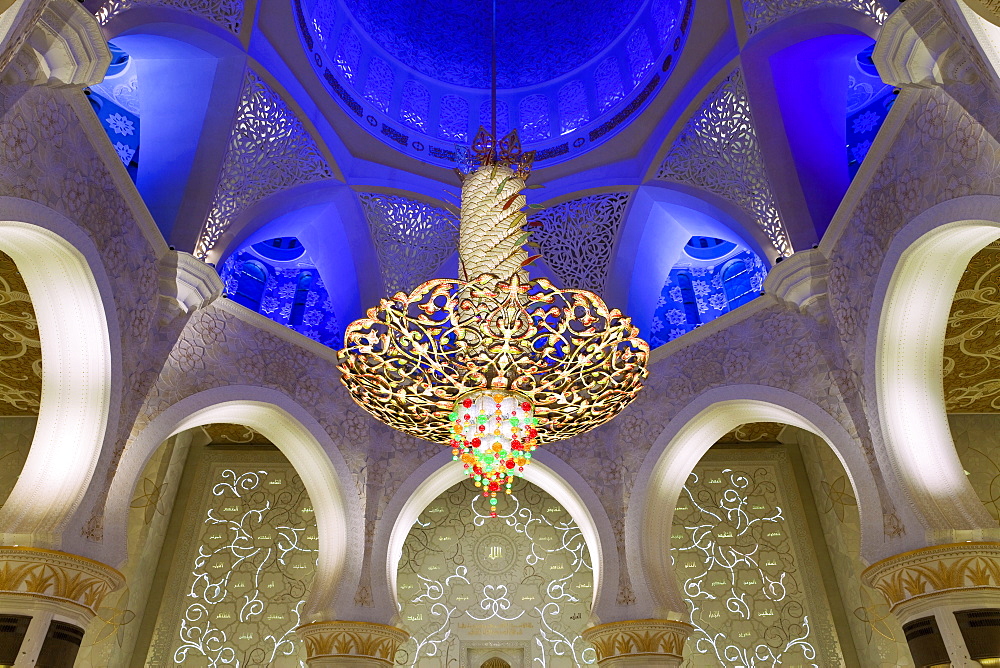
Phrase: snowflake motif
(286, 291)
(675, 316)
(120, 125)
(702, 307)
(328, 306)
(124, 152)
(718, 301)
(699, 271)
(269, 304)
(674, 333)
(312, 334)
(861, 150)
(675, 293)
(312, 318)
(661, 301)
(285, 311)
(717, 281)
(311, 299)
(701, 288)
(656, 326)
(866, 122)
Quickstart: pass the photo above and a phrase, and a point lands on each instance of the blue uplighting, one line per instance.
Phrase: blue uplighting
(868, 102)
(116, 102)
(277, 279)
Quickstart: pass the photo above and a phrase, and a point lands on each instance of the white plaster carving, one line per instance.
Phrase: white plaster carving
(800, 279)
(918, 48)
(717, 150)
(188, 281)
(269, 150)
(64, 47)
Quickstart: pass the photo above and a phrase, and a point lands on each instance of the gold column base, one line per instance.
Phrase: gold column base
(350, 644)
(955, 574)
(640, 642)
(74, 586)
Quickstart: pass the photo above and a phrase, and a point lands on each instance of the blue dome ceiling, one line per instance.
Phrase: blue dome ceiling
(449, 40)
(415, 75)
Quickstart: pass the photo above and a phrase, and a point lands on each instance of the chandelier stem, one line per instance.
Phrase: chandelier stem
(493, 72)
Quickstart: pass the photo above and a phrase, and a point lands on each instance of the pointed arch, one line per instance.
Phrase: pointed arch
(78, 328)
(298, 436)
(679, 448)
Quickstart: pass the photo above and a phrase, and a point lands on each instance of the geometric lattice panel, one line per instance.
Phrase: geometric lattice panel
(225, 13)
(717, 150)
(760, 14)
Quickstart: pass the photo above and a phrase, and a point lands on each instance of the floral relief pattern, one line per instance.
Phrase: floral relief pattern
(577, 238)
(269, 150)
(971, 359)
(718, 150)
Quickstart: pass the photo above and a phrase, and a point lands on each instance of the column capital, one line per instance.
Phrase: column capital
(72, 585)
(639, 642)
(343, 643)
(937, 575)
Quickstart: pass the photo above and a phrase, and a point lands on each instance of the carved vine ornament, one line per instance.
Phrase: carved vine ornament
(493, 363)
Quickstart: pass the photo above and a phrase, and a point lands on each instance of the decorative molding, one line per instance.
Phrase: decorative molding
(643, 637)
(63, 47)
(269, 151)
(799, 280)
(188, 281)
(761, 14)
(576, 238)
(918, 48)
(411, 238)
(717, 150)
(225, 13)
(933, 571)
(347, 640)
(57, 576)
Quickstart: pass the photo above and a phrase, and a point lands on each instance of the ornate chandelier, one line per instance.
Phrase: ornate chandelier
(493, 364)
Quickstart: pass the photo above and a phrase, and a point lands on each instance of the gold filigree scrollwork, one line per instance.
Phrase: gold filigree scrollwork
(58, 576)
(638, 637)
(489, 150)
(352, 639)
(936, 570)
(414, 355)
(972, 339)
(20, 345)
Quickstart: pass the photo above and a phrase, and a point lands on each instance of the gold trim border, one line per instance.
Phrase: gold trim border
(935, 570)
(368, 640)
(57, 576)
(638, 637)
